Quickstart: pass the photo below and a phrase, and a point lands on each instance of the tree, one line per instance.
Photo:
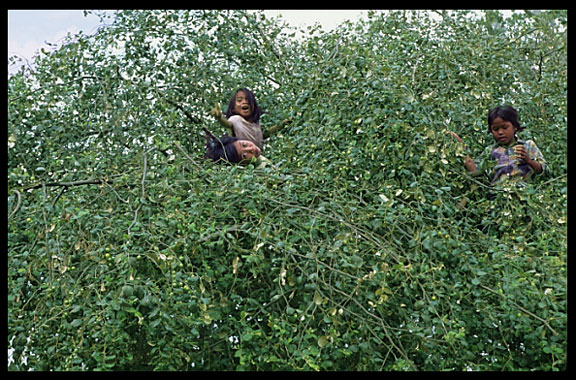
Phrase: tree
(366, 247)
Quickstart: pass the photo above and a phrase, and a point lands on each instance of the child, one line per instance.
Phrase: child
(233, 150)
(513, 159)
(243, 117)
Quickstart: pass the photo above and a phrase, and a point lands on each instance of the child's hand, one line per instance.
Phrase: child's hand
(469, 163)
(523, 156)
(521, 153)
(216, 112)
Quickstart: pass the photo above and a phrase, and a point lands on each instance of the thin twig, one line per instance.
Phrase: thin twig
(59, 195)
(18, 203)
(521, 308)
(67, 184)
(551, 180)
(187, 156)
(144, 171)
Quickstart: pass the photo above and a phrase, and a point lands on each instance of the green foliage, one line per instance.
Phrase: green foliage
(366, 247)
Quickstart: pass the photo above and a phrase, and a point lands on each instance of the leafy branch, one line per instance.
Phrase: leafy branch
(524, 310)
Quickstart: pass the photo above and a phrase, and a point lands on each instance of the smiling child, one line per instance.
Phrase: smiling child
(243, 117)
(233, 150)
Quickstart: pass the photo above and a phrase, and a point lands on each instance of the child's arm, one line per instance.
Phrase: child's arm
(275, 128)
(217, 113)
(532, 156)
(469, 163)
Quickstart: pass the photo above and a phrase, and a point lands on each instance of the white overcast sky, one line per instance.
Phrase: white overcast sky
(29, 30)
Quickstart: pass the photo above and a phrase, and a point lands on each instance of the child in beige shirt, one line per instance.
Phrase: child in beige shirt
(243, 116)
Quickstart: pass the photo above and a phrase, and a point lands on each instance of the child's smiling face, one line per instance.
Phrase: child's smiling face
(241, 105)
(503, 131)
(247, 150)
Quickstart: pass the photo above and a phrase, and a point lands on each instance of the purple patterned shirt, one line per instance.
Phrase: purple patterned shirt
(506, 167)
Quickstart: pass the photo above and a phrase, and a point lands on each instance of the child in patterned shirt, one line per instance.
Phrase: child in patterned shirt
(514, 160)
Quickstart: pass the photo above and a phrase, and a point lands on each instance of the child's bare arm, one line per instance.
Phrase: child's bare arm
(468, 162)
(275, 128)
(217, 113)
(523, 155)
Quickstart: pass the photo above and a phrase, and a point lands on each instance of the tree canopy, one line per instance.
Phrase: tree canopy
(366, 246)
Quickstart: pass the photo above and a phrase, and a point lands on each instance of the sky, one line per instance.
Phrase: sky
(29, 30)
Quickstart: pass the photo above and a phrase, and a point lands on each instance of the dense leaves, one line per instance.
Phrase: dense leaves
(365, 247)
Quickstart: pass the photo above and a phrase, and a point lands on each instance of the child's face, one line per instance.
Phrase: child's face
(247, 150)
(241, 105)
(503, 131)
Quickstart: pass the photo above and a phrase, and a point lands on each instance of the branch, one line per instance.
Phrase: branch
(67, 184)
(187, 156)
(193, 119)
(521, 308)
(144, 171)
(520, 36)
(551, 180)
(19, 202)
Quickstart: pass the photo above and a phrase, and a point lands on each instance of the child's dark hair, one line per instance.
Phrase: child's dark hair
(256, 111)
(221, 148)
(506, 113)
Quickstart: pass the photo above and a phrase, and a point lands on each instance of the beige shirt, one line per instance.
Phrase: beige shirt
(246, 130)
